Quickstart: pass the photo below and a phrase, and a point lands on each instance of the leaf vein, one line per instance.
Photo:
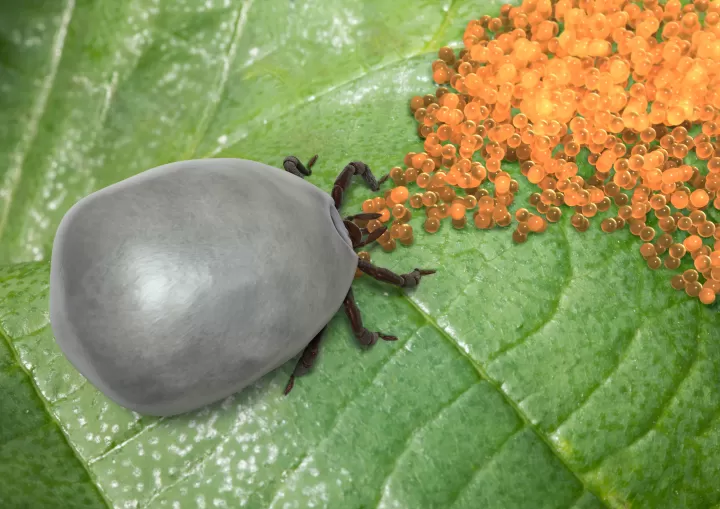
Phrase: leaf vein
(483, 374)
(211, 109)
(414, 434)
(472, 280)
(660, 412)
(281, 114)
(14, 173)
(338, 417)
(433, 42)
(605, 378)
(553, 312)
(490, 461)
(67, 396)
(192, 468)
(126, 441)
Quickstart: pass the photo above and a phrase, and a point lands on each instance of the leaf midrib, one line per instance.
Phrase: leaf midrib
(484, 376)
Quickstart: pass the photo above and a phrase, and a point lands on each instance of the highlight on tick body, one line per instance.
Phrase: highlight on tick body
(633, 88)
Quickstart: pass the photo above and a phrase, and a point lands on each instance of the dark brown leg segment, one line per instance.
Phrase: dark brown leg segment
(364, 336)
(364, 216)
(372, 237)
(355, 233)
(343, 181)
(306, 361)
(409, 280)
(293, 165)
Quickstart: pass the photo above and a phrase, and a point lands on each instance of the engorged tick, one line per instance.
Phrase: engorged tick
(184, 284)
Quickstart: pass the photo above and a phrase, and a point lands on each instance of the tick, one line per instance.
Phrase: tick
(186, 283)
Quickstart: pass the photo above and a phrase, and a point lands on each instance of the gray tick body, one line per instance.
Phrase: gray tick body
(184, 284)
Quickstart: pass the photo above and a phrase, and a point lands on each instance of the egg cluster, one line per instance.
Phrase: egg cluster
(631, 88)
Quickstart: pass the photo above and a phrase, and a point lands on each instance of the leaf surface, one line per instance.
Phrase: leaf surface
(560, 373)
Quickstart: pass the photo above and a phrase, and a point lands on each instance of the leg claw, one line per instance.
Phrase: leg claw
(412, 279)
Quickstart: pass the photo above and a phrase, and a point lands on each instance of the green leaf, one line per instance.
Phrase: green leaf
(560, 373)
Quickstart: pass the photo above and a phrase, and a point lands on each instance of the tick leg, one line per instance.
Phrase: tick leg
(354, 232)
(365, 216)
(409, 280)
(355, 237)
(293, 165)
(372, 237)
(342, 183)
(364, 336)
(306, 361)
